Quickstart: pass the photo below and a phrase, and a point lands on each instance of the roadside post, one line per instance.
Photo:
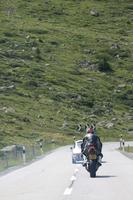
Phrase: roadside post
(121, 142)
(23, 155)
(40, 144)
(123, 145)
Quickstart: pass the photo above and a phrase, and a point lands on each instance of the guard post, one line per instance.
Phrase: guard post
(40, 144)
(23, 154)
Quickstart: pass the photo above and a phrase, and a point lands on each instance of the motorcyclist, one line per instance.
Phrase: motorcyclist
(92, 138)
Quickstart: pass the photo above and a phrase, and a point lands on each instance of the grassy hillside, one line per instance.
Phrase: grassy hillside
(63, 63)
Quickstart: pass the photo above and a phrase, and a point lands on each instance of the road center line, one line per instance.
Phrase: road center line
(68, 190)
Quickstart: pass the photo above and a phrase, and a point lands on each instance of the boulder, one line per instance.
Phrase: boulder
(94, 13)
(109, 125)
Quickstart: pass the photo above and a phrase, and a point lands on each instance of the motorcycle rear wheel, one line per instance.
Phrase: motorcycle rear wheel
(92, 168)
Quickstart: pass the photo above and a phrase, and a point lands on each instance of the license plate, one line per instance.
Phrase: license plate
(92, 157)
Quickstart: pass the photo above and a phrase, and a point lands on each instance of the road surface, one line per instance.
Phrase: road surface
(55, 178)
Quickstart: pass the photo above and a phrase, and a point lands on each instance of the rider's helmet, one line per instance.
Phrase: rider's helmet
(90, 130)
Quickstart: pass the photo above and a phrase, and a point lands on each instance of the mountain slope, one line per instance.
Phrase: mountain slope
(64, 63)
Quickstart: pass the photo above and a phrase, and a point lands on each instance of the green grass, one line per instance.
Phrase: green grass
(59, 64)
(129, 149)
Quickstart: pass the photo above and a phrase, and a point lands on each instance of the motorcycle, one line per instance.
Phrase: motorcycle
(92, 160)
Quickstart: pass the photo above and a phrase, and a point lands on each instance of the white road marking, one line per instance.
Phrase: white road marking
(73, 178)
(68, 191)
(76, 170)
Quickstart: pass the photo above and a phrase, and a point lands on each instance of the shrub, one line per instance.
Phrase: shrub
(10, 34)
(3, 40)
(38, 31)
(104, 65)
(32, 83)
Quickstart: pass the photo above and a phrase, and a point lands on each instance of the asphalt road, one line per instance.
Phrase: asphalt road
(55, 178)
